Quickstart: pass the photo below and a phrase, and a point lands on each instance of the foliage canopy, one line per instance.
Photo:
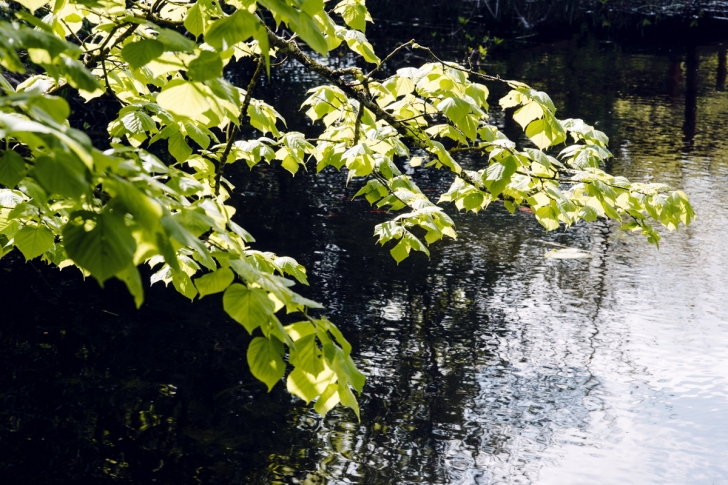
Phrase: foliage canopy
(163, 63)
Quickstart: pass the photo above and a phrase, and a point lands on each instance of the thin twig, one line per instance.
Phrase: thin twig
(391, 54)
(236, 129)
(108, 85)
(460, 68)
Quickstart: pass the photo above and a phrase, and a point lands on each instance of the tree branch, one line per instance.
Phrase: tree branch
(236, 129)
(417, 137)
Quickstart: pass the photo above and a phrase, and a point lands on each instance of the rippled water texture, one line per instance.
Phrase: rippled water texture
(487, 363)
(491, 364)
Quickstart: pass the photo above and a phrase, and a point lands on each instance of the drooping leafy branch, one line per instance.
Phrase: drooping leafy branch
(162, 62)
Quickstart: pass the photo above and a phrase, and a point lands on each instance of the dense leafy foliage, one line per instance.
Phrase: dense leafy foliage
(163, 63)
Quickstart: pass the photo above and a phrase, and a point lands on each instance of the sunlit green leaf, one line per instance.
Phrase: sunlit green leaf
(307, 355)
(214, 282)
(329, 398)
(228, 31)
(195, 21)
(354, 13)
(400, 251)
(250, 307)
(359, 44)
(265, 358)
(454, 108)
(308, 386)
(33, 5)
(499, 175)
(546, 132)
(100, 243)
(33, 241)
(141, 52)
(527, 113)
(185, 99)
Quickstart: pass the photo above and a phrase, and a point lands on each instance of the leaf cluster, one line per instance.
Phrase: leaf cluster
(163, 62)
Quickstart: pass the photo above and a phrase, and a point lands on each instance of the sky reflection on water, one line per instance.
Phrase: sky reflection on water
(504, 367)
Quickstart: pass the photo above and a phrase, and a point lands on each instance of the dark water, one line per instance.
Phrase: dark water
(486, 363)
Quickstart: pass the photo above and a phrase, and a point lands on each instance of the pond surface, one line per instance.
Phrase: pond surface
(486, 363)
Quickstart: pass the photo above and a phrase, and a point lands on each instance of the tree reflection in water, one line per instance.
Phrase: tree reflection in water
(486, 363)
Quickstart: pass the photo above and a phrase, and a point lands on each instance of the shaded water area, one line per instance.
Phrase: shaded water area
(486, 363)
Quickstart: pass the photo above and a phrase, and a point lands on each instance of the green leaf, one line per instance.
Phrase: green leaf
(265, 358)
(454, 108)
(174, 41)
(354, 13)
(445, 158)
(262, 118)
(62, 174)
(280, 9)
(44, 41)
(57, 108)
(33, 5)
(130, 276)
(359, 44)
(101, 244)
(141, 52)
(138, 122)
(588, 213)
(195, 220)
(195, 20)
(8, 225)
(546, 132)
(228, 31)
(308, 386)
(300, 330)
(307, 28)
(214, 282)
(290, 266)
(547, 217)
(78, 76)
(312, 7)
(527, 113)
(183, 284)
(250, 307)
(5, 85)
(182, 235)
(400, 251)
(479, 93)
(473, 201)
(33, 241)
(499, 174)
(178, 147)
(347, 398)
(224, 90)
(198, 135)
(208, 65)
(12, 169)
(127, 197)
(328, 399)
(307, 355)
(184, 99)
